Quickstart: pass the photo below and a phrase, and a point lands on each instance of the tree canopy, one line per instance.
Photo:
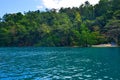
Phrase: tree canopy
(84, 26)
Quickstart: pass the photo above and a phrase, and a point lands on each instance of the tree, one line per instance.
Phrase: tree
(113, 30)
(83, 26)
(102, 7)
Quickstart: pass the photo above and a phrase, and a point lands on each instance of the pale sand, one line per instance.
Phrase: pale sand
(104, 45)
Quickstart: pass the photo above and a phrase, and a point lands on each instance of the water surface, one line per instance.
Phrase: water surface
(54, 63)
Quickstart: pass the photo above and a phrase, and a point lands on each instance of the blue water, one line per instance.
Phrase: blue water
(62, 63)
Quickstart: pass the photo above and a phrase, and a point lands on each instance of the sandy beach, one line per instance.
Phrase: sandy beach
(104, 45)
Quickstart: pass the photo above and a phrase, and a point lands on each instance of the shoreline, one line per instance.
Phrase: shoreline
(105, 45)
(92, 46)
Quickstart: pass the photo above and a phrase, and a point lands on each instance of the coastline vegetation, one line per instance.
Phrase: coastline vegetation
(84, 26)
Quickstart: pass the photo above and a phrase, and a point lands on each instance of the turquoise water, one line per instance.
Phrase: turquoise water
(59, 63)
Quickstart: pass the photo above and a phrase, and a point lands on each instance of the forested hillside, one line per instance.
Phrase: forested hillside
(84, 26)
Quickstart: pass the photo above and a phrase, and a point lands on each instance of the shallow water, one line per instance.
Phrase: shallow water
(63, 63)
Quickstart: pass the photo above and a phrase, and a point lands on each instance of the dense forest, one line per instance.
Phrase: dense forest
(78, 26)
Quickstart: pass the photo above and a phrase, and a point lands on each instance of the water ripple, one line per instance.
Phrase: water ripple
(57, 64)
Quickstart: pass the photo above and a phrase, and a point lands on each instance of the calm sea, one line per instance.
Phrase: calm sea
(59, 63)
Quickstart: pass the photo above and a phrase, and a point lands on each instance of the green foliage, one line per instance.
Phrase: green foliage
(83, 26)
(117, 14)
(113, 30)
